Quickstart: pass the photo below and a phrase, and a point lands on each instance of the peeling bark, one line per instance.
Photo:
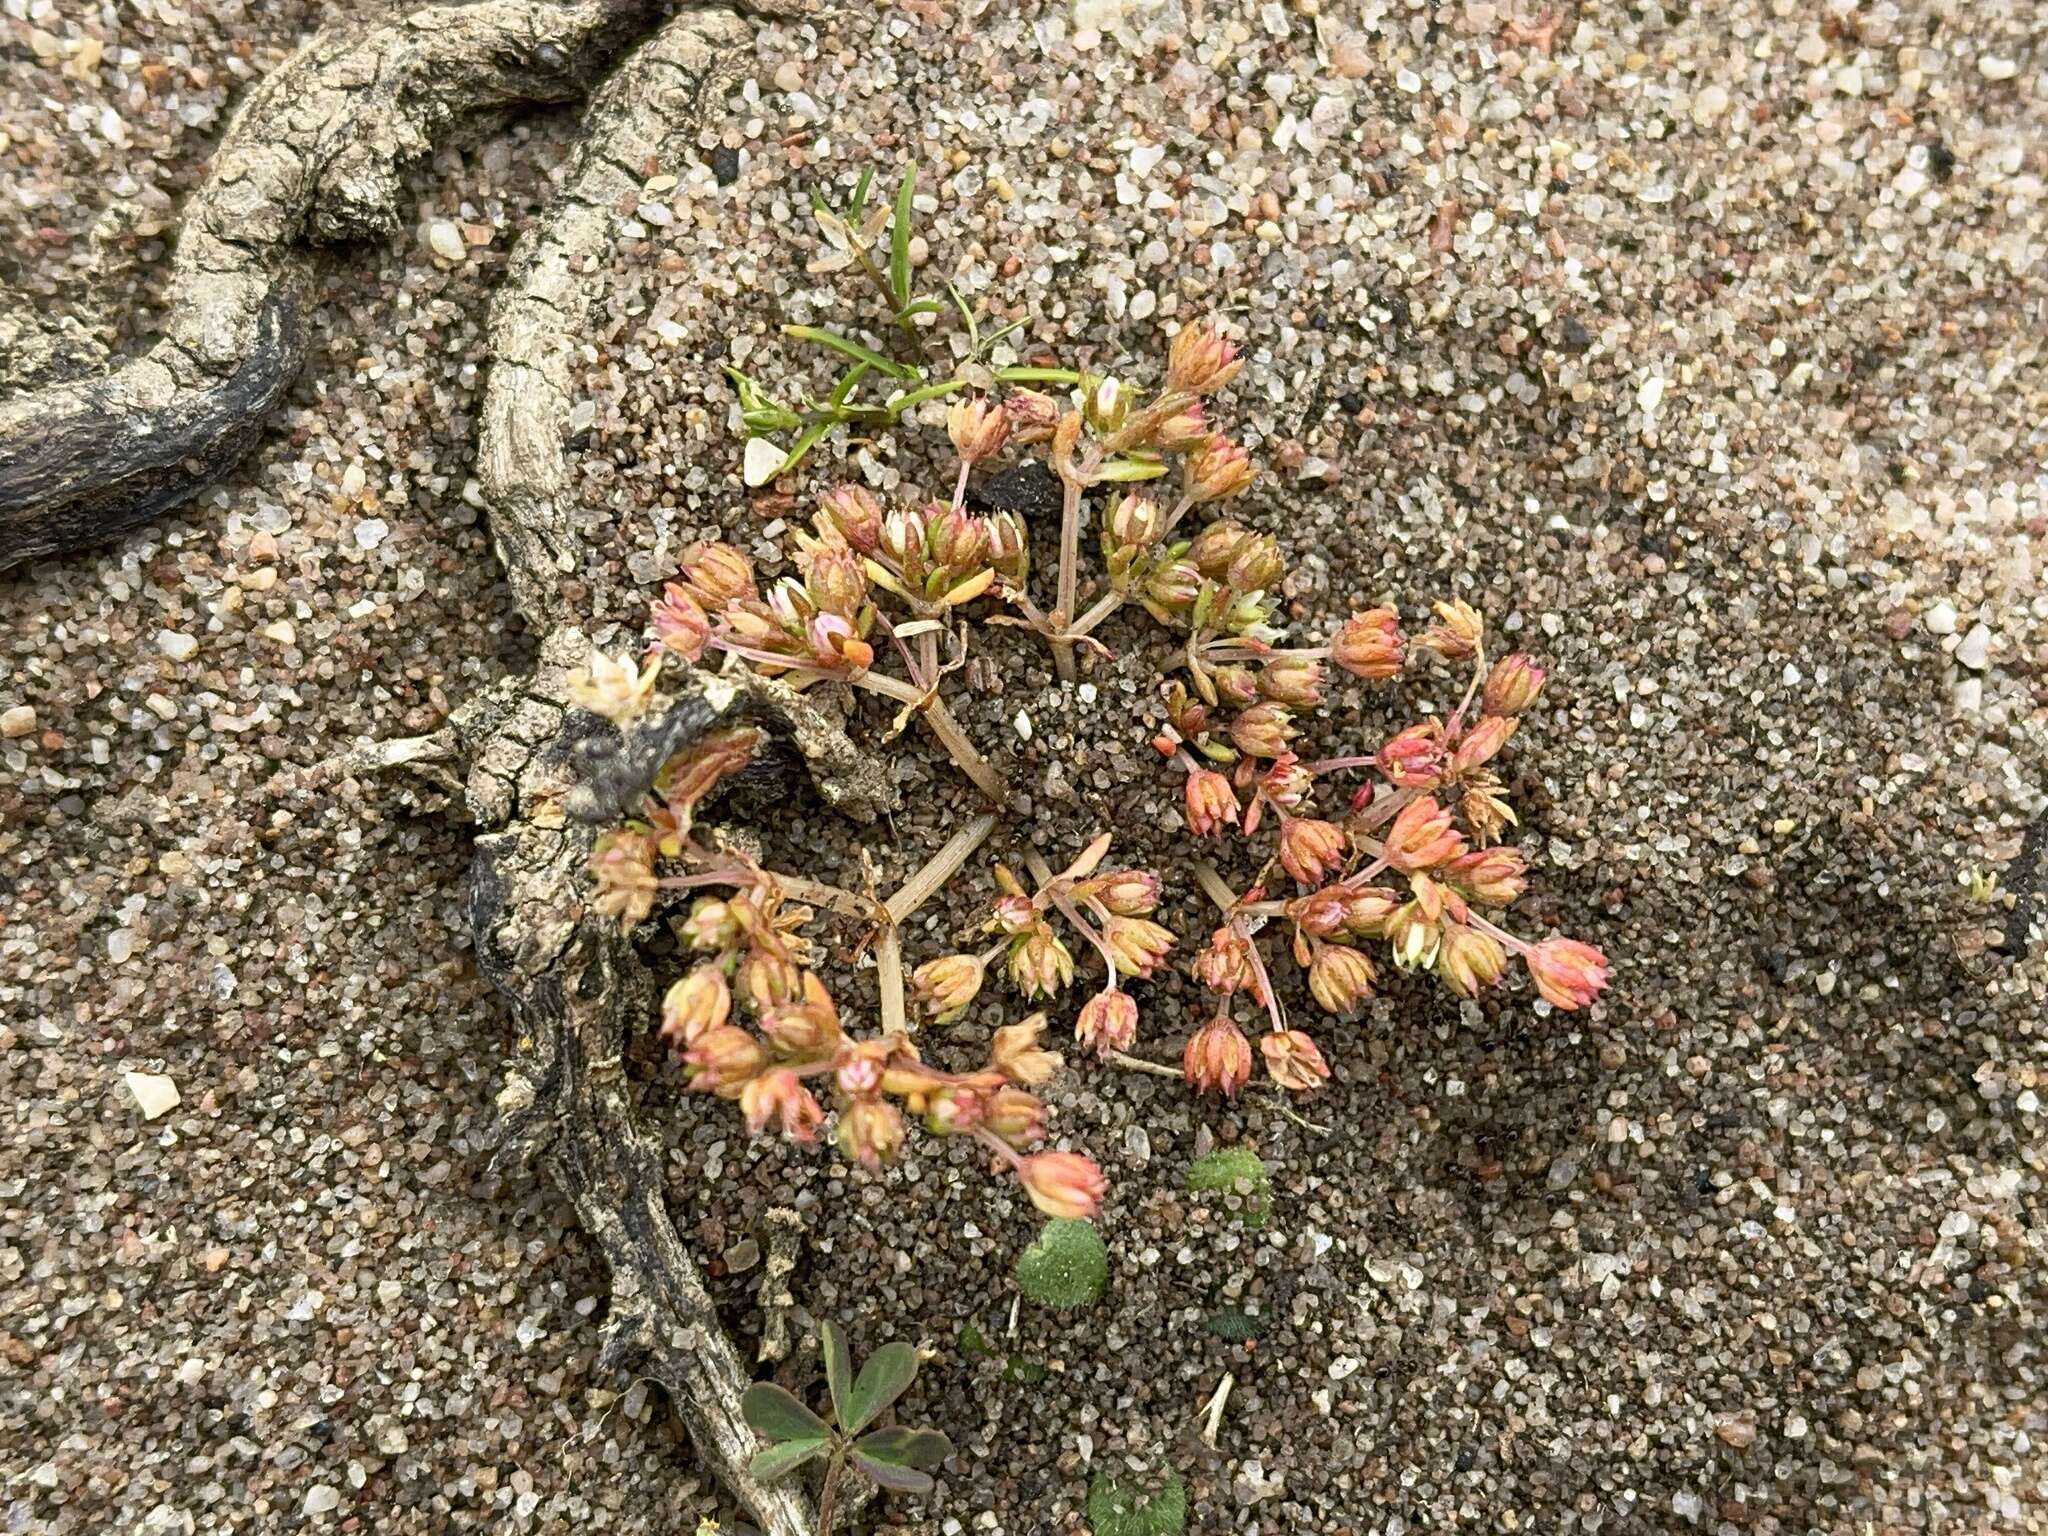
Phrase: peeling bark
(312, 154)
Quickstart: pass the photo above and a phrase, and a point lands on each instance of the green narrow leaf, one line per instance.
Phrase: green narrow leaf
(987, 343)
(922, 1448)
(966, 318)
(888, 1373)
(781, 1460)
(919, 307)
(1029, 375)
(848, 382)
(776, 1414)
(899, 238)
(898, 404)
(857, 203)
(894, 1478)
(808, 439)
(838, 1371)
(1131, 469)
(846, 346)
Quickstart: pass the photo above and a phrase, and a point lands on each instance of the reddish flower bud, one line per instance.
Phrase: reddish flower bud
(1367, 909)
(1421, 836)
(780, 1097)
(679, 624)
(1468, 959)
(1014, 1115)
(836, 578)
(1512, 685)
(1339, 978)
(1016, 1053)
(1200, 360)
(1456, 633)
(700, 1002)
(853, 512)
(978, 428)
(956, 542)
(1310, 849)
(1226, 965)
(1033, 415)
(870, 1132)
(837, 647)
(953, 1110)
(723, 1061)
(1296, 681)
(1039, 963)
(1236, 687)
(804, 1031)
(946, 986)
(1324, 913)
(1293, 1061)
(1063, 1184)
(1009, 555)
(1369, 645)
(1478, 746)
(1015, 914)
(1108, 1021)
(1126, 892)
(1138, 943)
(1184, 429)
(710, 925)
(1568, 974)
(1133, 522)
(1493, 877)
(1263, 730)
(1413, 758)
(1257, 567)
(1217, 1056)
(1217, 469)
(1212, 550)
(718, 574)
(1211, 802)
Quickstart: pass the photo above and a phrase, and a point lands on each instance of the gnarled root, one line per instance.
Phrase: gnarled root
(313, 153)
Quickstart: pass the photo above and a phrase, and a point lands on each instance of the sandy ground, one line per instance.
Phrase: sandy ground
(1700, 346)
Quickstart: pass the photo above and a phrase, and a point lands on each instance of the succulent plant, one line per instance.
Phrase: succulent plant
(1067, 1267)
(1234, 1171)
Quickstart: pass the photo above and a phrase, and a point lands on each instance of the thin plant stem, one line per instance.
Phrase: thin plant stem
(939, 868)
(1070, 575)
(889, 980)
(828, 1496)
(939, 720)
(816, 892)
(1270, 1091)
(1215, 887)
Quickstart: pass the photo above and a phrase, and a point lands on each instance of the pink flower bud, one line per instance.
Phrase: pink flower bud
(1106, 404)
(1455, 634)
(1324, 914)
(978, 428)
(1257, 567)
(1369, 645)
(956, 542)
(1211, 802)
(1217, 1056)
(1293, 1061)
(1126, 892)
(1296, 681)
(1339, 978)
(1493, 877)
(1512, 685)
(1287, 782)
(853, 512)
(954, 1110)
(903, 541)
(1063, 1184)
(1108, 1021)
(697, 1004)
(679, 624)
(837, 647)
(1367, 909)
(1568, 974)
(835, 579)
(1216, 546)
(803, 1031)
(780, 1097)
(718, 574)
(1414, 758)
(1186, 428)
(1016, 1053)
(1421, 836)
(946, 986)
(870, 1132)
(725, 1060)
(768, 980)
(1217, 470)
(1236, 687)
(1263, 730)
(1009, 554)
(1014, 1115)
(710, 925)
(1226, 964)
(1032, 414)
(1310, 849)
(1015, 914)
(1468, 959)
(1200, 360)
(1138, 943)
(1133, 522)
(1479, 745)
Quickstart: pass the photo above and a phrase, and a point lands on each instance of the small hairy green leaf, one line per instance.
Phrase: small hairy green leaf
(1067, 1267)
(1234, 1171)
(974, 1344)
(838, 1370)
(885, 1376)
(1235, 1324)
(1023, 1370)
(781, 1460)
(886, 1474)
(776, 1414)
(921, 1448)
(1123, 1507)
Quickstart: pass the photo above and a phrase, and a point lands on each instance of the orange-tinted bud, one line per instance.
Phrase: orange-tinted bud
(700, 1002)
(1217, 470)
(1016, 1053)
(1217, 1056)
(1479, 745)
(946, 986)
(1039, 963)
(1369, 645)
(1468, 959)
(1236, 687)
(953, 1110)
(1310, 849)
(781, 1097)
(769, 980)
(1201, 360)
(1063, 1184)
(836, 646)
(1455, 634)
(870, 1132)
(1216, 546)
(853, 512)
(1108, 1021)
(1296, 681)
(1293, 1061)
(1339, 978)
(1421, 836)
(978, 428)
(623, 865)
(1367, 909)
(1226, 964)
(1133, 522)
(718, 574)
(1414, 758)
(680, 625)
(1016, 1116)
(1211, 802)
(1138, 943)
(1512, 685)
(1264, 730)
(1186, 428)
(1126, 892)
(710, 925)
(723, 1061)
(1033, 415)
(1568, 974)
(1286, 783)
(1324, 913)
(1493, 877)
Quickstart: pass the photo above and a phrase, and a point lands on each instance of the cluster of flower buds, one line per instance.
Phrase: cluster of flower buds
(1110, 909)
(623, 860)
(932, 559)
(1410, 865)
